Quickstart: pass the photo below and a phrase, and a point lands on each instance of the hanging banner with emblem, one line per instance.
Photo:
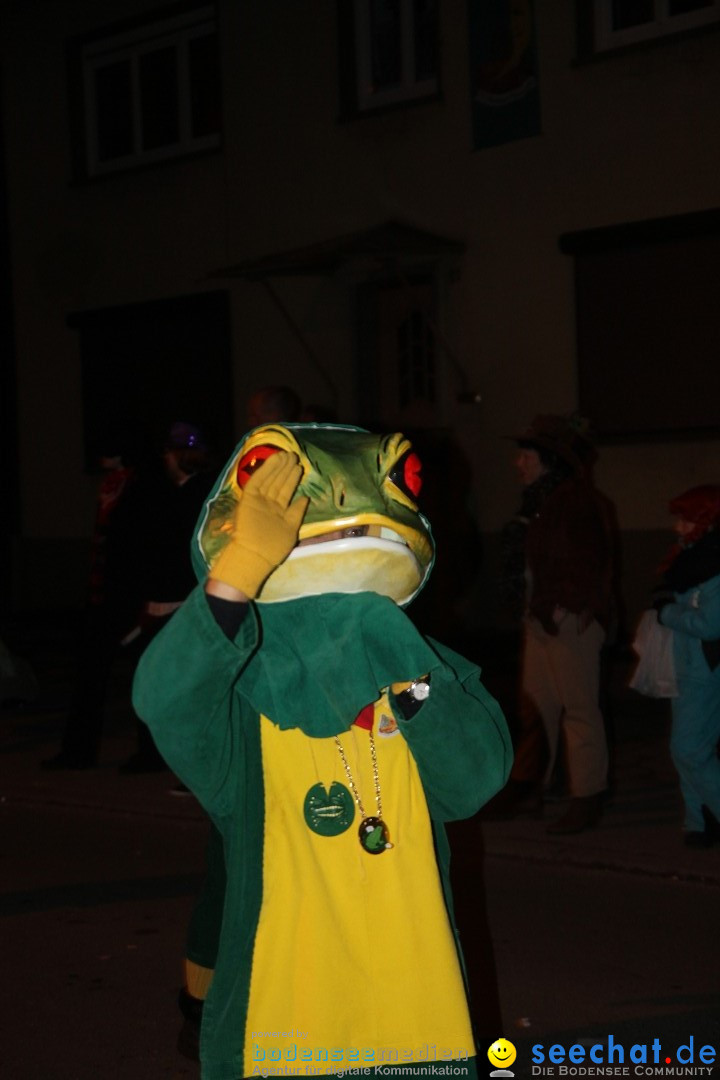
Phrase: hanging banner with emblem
(505, 96)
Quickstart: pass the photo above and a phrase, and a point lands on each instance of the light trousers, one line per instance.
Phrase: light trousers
(561, 678)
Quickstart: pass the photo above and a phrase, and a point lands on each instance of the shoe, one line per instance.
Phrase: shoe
(583, 813)
(694, 839)
(180, 791)
(712, 826)
(517, 798)
(556, 793)
(137, 763)
(188, 1042)
(707, 837)
(63, 760)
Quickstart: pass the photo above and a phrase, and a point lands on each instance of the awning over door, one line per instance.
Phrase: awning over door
(392, 244)
(392, 250)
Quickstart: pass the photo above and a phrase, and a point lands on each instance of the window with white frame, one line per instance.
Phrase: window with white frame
(395, 51)
(151, 92)
(627, 22)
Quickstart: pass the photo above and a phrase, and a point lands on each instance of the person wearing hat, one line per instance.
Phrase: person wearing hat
(558, 572)
(689, 603)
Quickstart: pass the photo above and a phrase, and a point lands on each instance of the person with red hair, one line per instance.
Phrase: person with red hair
(690, 605)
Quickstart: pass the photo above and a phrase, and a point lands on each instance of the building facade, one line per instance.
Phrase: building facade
(437, 215)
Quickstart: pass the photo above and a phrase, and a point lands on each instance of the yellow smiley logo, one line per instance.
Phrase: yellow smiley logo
(502, 1053)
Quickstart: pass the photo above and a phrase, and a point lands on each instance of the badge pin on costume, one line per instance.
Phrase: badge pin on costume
(373, 832)
(329, 811)
(388, 725)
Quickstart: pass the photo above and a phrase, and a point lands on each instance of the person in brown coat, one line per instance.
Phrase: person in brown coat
(559, 555)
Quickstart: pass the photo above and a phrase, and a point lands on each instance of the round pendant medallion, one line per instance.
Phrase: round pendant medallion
(374, 836)
(329, 811)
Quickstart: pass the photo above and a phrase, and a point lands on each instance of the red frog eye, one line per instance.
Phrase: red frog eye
(406, 474)
(251, 461)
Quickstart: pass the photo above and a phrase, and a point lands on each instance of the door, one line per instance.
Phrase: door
(401, 355)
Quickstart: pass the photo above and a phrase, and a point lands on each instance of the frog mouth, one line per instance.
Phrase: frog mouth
(363, 553)
(354, 532)
(350, 543)
(355, 542)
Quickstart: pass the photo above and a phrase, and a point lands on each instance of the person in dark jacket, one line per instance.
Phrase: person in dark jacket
(558, 569)
(168, 507)
(111, 610)
(689, 604)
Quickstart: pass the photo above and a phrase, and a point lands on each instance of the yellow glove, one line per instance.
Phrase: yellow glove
(266, 527)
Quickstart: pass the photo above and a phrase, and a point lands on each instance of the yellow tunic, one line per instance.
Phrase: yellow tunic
(331, 908)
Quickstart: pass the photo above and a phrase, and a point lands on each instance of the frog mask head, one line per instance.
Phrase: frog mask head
(362, 531)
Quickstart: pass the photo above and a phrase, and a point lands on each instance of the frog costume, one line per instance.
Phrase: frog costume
(328, 741)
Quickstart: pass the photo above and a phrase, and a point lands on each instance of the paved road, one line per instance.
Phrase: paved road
(92, 932)
(610, 932)
(93, 925)
(584, 953)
